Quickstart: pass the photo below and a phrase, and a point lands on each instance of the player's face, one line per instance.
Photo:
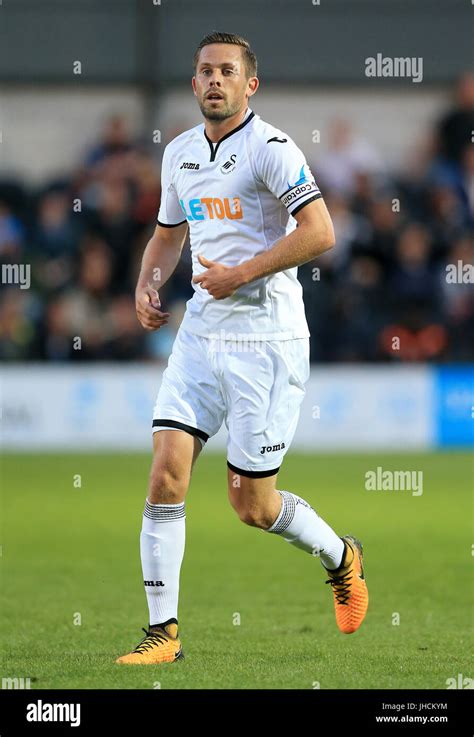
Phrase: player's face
(220, 83)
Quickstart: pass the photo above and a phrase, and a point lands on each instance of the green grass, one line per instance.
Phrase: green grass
(67, 550)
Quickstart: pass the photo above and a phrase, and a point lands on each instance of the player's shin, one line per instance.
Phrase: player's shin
(300, 525)
(162, 542)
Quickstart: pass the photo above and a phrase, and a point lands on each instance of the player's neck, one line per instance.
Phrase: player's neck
(217, 129)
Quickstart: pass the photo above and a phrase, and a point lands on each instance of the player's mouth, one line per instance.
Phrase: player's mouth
(214, 96)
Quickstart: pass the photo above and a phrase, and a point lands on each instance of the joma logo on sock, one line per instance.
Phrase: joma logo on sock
(271, 448)
(153, 583)
(44, 712)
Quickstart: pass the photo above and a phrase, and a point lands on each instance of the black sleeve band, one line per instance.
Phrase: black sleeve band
(170, 225)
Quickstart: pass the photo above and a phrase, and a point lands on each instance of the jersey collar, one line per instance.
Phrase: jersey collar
(214, 146)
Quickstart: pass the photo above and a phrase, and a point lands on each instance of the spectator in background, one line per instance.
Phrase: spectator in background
(361, 310)
(385, 232)
(346, 157)
(467, 181)
(447, 217)
(58, 345)
(112, 222)
(451, 173)
(84, 311)
(54, 240)
(11, 234)
(104, 322)
(352, 231)
(20, 316)
(112, 161)
(458, 296)
(56, 232)
(413, 281)
(115, 140)
(455, 128)
(146, 176)
(126, 340)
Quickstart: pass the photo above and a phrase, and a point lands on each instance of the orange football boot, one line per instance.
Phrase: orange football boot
(160, 645)
(351, 597)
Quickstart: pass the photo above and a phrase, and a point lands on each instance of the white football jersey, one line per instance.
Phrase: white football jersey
(238, 196)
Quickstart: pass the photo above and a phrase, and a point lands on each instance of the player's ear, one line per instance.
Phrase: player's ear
(252, 86)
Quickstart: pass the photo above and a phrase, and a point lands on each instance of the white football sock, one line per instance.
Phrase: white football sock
(162, 541)
(299, 525)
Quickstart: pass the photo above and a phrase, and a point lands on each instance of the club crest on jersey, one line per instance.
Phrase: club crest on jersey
(210, 208)
(229, 165)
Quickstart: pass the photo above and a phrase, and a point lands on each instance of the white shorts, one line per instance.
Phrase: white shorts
(256, 389)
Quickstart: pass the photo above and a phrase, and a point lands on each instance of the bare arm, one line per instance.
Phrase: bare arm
(313, 236)
(159, 261)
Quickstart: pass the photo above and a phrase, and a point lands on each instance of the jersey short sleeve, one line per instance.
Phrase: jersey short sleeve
(282, 167)
(170, 213)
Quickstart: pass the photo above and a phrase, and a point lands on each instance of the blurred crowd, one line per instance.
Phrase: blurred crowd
(382, 294)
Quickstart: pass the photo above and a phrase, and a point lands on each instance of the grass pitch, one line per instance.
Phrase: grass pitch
(71, 555)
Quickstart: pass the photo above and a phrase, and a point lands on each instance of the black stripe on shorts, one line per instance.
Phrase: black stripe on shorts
(181, 426)
(253, 474)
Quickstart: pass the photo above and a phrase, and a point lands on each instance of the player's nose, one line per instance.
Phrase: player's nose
(216, 77)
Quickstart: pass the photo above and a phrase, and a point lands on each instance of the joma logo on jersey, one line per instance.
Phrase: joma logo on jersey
(209, 208)
(189, 165)
(271, 448)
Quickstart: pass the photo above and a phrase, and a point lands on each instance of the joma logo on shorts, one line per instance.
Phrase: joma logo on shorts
(153, 583)
(271, 448)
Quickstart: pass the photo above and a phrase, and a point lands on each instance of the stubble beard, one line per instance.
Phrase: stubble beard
(226, 111)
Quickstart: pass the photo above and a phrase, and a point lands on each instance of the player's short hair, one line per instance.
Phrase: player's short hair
(216, 37)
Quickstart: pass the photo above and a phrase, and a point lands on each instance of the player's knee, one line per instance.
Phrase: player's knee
(166, 486)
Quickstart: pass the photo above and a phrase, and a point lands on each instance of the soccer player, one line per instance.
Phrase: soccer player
(241, 355)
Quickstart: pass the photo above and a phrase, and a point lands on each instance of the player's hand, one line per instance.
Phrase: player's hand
(219, 280)
(147, 305)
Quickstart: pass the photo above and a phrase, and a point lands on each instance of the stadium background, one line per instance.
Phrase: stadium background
(97, 137)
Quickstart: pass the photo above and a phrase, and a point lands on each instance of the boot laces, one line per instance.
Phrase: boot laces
(341, 586)
(151, 639)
